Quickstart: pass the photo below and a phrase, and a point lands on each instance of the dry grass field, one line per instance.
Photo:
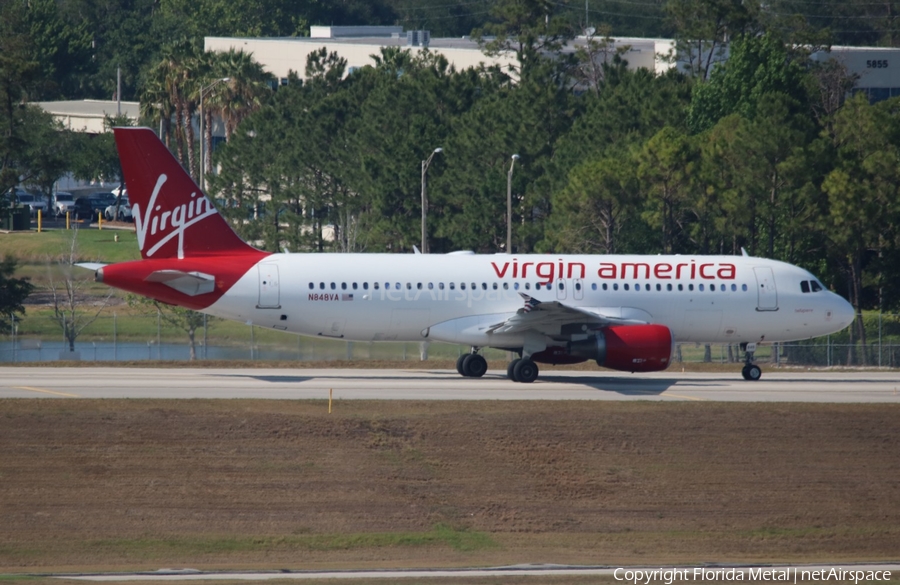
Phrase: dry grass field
(134, 484)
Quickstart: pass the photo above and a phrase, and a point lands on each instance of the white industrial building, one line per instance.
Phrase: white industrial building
(875, 67)
(89, 115)
(358, 44)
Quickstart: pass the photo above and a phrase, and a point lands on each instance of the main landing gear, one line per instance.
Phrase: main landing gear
(522, 370)
(471, 365)
(751, 371)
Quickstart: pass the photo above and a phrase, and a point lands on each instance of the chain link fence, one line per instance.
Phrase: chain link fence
(38, 338)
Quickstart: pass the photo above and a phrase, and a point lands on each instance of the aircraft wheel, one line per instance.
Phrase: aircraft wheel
(751, 372)
(474, 365)
(526, 371)
(459, 363)
(510, 369)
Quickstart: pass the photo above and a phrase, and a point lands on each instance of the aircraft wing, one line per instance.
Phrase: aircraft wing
(551, 317)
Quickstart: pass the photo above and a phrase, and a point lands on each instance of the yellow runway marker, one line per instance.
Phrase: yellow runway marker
(30, 389)
(683, 396)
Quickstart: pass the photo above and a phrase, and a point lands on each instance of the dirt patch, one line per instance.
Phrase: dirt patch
(146, 484)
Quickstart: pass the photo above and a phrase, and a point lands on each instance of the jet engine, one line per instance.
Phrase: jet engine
(629, 348)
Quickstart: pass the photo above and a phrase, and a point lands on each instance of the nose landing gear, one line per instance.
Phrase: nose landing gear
(751, 371)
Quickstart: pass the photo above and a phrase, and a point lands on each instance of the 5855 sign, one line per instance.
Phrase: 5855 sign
(877, 64)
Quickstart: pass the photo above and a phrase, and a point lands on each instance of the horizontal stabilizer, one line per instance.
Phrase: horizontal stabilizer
(189, 283)
(90, 265)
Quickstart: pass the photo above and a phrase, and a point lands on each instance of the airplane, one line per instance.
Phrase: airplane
(626, 312)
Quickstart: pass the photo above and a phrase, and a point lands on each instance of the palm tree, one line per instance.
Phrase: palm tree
(156, 103)
(249, 88)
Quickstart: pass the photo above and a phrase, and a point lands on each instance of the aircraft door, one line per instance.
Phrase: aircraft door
(560, 289)
(269, 287)
(767, 294)
(577, 289)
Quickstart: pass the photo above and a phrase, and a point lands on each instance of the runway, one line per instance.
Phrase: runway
(383, 384)
(634, 575)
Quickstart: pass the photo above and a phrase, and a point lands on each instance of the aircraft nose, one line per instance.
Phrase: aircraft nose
(843, 311)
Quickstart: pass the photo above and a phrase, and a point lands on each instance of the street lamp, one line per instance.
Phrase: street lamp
(202, 136)
(425, 164)
(515, 157)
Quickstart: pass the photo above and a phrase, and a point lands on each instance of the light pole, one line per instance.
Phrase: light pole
(515, 157)
(202, 136)
(425, 164)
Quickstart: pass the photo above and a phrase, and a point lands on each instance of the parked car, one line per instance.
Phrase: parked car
(88, 206)
(63, 202)
(124, 210)
(34, 203)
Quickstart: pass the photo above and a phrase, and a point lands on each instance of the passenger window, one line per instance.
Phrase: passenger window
(505, 286)
(701, 286)
(804, 286)
(354, 286)
(605, 286)
(419, 286)
(744, 287)
(321, 286)
(616, 286)
(733, 287)
(562, 285)
(452, 286)
(516, 285)
(495, 286)
(375, 285)
(311, 286)
(658, 287)
(333, 286)
(625, 286)
(366, 286)
(577, 286)
(637, 287)
(690, 287)
(343, 286)
(669, 286)
(816, 287)
(593, 286)
(527, 286)
(462, 286)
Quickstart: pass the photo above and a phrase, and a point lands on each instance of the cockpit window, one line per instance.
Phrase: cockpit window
(810, 286)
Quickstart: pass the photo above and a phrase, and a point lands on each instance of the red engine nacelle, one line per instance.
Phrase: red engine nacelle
(629, 348)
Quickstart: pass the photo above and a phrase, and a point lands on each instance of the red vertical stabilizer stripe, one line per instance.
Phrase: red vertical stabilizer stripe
(173, 218)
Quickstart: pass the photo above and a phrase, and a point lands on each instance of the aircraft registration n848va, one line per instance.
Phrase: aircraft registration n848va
(624, 312)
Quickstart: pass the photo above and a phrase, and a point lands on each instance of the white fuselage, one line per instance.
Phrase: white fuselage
(457, 297)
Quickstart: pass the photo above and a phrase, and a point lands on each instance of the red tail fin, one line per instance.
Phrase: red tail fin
(173, 218)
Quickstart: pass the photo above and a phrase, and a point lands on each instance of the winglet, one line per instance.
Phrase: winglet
(530, 302)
